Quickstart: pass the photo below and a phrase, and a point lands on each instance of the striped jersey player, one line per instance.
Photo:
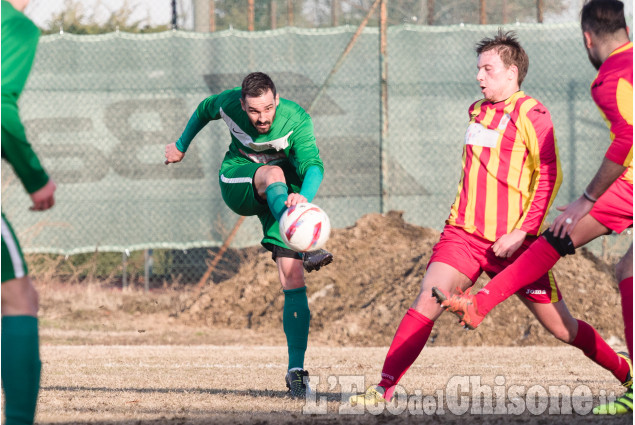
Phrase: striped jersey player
(511, 174)
(605, 206)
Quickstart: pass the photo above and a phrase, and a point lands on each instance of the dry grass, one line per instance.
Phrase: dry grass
(244, 383)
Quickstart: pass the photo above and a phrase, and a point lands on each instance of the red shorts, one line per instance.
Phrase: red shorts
(614, 209)
(473, 255)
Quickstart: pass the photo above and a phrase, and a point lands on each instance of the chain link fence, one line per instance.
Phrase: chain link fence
(100, 109)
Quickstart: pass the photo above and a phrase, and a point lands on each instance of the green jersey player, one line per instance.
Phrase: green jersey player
(272, 163)
(20, 343)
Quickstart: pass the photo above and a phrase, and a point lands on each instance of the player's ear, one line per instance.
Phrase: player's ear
(588, 40)
(513, 72)
(277, 99)
(242, 104)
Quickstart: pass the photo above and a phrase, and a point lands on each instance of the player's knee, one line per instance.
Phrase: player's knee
(563, 245)
(19, 297)
(293, 279)
(562, 334)
(273, 174)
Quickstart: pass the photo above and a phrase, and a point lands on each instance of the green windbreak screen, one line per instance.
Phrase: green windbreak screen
(99, 111)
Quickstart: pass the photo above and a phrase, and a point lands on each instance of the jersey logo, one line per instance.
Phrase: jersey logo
(478, 135)
(278, 144)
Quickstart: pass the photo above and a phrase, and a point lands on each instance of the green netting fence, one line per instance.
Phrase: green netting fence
(100, 109)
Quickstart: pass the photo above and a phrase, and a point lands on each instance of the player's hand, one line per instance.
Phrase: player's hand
(294, 199)
(43, 198)
(571, 214)
(507, 244)
(172, 154)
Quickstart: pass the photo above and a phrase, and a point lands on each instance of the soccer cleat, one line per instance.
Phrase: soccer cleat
(314, 260)
(298, 383)
(372, 396)
(463, 305)
(621, 406)
(628, 382)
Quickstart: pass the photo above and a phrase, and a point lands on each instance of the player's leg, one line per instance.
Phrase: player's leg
(296, 315)
(613, 211)
(296, 318)
(273, 183)
(450, 268)
(534, 262)
(624, 274)
(20, 342)
(556, 318)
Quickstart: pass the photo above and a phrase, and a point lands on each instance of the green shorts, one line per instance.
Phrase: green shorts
(237, 189)
(13, 264)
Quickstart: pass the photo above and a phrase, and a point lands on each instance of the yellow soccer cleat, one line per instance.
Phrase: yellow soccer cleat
(373, 396)
(628, 382)
(621, 406)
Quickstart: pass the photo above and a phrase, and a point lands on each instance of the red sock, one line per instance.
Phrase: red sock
(537, 260)
(626, 289)
(595, 348)
(412, 334)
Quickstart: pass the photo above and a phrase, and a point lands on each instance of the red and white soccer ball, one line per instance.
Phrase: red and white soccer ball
(305, 227)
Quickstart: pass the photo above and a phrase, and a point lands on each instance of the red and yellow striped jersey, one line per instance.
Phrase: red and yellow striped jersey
(612, 91)
(511, 169)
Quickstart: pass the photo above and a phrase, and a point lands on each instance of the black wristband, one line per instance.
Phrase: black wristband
(588, 197)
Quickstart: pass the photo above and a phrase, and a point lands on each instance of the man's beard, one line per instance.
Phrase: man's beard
(595, 62)
(261, 130)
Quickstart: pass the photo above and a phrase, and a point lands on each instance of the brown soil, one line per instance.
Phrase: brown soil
(361, 297)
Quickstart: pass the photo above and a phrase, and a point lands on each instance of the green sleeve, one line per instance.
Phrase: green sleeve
(311, 182)
(304, 152)
(19, 42)
(18, 152)
(192, 128)
(209, 109)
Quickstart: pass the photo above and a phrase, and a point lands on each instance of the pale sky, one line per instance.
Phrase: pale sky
(159, 12)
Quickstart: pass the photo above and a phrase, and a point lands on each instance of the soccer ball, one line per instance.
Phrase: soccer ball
(305, 227)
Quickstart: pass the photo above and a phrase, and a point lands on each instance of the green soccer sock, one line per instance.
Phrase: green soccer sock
(20, 368)
(295, 321)
(277, 194)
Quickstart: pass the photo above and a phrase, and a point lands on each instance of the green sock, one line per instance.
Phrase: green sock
(20, 368)
(295, 321)
(277, 194)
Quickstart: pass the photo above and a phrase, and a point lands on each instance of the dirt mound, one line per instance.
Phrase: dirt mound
(379, 263)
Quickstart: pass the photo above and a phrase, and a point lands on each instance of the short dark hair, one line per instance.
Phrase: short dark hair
(603, 17)
(256, 84)
(509, 50)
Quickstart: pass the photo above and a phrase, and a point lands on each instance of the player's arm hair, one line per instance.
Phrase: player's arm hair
(608, 172)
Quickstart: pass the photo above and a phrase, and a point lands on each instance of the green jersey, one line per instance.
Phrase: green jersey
(290, 137)
(19, 42)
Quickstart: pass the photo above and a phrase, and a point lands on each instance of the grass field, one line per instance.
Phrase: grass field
(177, 384)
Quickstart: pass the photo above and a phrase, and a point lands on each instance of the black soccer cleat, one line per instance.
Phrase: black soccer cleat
(314, 260)
(298, 383)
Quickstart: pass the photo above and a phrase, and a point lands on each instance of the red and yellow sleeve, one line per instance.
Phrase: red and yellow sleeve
(614, 98)
(544, 162)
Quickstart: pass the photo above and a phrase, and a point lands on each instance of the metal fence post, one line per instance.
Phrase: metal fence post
(148, 269)
(124, 269)
(383, 102)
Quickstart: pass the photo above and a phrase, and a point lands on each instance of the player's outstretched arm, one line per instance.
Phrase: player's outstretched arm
(174, 152)
(608, 172)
